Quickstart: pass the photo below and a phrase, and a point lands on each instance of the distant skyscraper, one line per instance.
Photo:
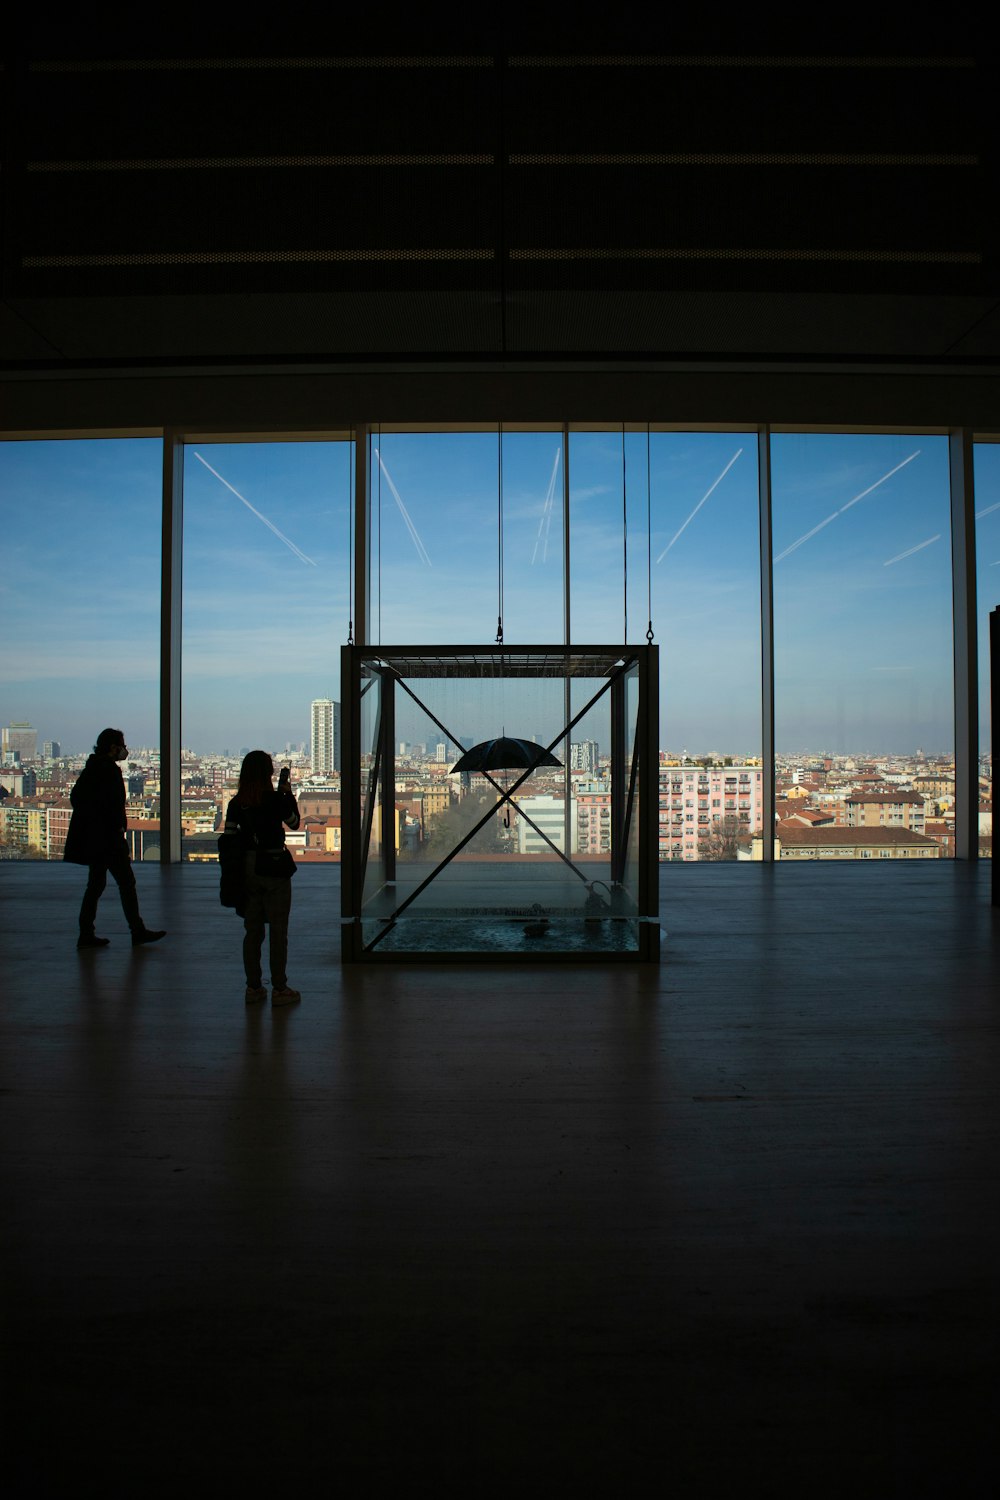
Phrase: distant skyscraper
(583, 756)
(325, 747)
(51, 749)
(21, 738)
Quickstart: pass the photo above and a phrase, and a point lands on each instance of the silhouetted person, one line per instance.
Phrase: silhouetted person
(255, 816)
(96, 837)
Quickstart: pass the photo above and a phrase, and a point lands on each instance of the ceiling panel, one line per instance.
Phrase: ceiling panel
(491, 195)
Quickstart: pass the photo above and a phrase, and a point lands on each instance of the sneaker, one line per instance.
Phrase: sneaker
(255, 994)
(145, 936)
(285, 996)
(89, 940)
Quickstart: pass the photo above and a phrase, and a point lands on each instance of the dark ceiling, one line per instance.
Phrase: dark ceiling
(491, 198)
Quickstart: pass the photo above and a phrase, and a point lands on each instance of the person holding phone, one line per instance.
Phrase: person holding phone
(255, 816)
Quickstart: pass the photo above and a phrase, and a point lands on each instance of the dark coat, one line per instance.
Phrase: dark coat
(249, 828)
(260, 826)
(97, 827)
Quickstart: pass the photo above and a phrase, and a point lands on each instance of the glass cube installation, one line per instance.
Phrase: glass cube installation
(499, 803)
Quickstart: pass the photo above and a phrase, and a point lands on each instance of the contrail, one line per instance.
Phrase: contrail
(414, 533)
(269, 524)
(807, 537)
(701, 502)
(981, 513)
(809, 534)
(545, 522)
(910, 550)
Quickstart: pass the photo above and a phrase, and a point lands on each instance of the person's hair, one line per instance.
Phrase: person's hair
(255, 778)
(107, 739)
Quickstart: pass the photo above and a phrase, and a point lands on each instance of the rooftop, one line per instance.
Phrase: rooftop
(794, 834)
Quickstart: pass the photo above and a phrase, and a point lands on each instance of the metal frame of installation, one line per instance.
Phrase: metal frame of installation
(456, 903)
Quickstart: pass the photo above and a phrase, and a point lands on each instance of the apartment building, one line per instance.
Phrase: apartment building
(593, 820)
(793, 841)
(886, 807)
(695, 798)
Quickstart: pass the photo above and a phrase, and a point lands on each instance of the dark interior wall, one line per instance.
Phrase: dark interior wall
(236, 402)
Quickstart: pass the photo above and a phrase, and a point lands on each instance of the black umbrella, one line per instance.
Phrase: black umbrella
(506, 753)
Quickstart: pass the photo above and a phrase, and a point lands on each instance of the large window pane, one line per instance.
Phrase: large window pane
(266, 610)
(436, 534)
(666, 526)
(863, 646)
(987, 479)
(607, 500)
(80, 618)
(706, 610)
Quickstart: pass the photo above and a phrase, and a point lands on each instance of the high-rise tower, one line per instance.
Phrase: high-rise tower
(325, 742)
(19, 739)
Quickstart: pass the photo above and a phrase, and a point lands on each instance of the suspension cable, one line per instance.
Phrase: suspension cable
(350, 537)
(649, 547)
(499, 533)
(624, 539)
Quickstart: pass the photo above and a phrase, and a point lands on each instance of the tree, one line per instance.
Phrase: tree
(452, 824)
(721, 839)
(15, 843)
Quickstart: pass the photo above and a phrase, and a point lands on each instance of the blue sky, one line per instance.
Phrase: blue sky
(861, 578)
(263, 622)
(862, 593)
(79, 587)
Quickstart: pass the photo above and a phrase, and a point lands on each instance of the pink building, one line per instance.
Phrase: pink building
(593, 822)
(692, 798)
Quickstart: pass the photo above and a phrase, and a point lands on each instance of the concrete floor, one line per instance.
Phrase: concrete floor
(725, 1226)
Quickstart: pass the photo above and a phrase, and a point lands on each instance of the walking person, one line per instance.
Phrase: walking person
(255, 816)
(96, 838)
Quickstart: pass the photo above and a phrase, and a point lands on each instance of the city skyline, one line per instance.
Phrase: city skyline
(584, 755)
(830, 807)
